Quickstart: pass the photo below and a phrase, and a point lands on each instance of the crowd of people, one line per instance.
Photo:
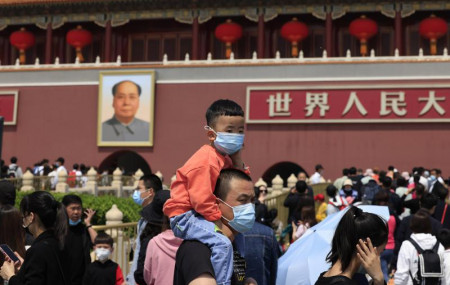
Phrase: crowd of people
(213, 226)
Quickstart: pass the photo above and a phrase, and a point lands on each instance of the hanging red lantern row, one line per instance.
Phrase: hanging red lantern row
(363, 29)
(79, 38)
(228, 32)
(294, 32)
(22, 40)
(433, 28)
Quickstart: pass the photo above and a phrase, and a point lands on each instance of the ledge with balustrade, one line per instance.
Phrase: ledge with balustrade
(166, 62)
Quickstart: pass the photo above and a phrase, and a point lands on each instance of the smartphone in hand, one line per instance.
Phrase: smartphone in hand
(8, 251)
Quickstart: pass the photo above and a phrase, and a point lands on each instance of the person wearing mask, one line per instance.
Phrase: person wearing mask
(359, 239)
(11, 231)
(317, 177)
(148, 186)
(348, 193)
(46, 219)
(79, 239)
(296, 199)
(160, 254)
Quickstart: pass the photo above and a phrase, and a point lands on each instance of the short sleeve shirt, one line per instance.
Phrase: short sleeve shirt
(194, 259)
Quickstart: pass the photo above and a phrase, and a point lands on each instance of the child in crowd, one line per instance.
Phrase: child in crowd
(322, 207)
(444, 239)
(193, 210)
(103, 271)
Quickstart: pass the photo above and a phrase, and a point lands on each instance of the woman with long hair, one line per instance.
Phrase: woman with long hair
(46, 220)
(359, 239)
(11, 231)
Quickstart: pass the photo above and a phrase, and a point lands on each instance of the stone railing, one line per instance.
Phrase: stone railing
(120, 185)
(278, 193)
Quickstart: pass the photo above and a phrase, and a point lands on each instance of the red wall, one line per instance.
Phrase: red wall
(62, 121)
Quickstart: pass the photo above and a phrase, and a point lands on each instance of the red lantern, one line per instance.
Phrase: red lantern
(228, 33)
(363, 29)
(433, 28)
(294, 32)
(22, 40)
(78, 38)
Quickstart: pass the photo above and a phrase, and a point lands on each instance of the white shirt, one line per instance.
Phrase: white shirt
(55, 179)
(315, 178)
(408, 258)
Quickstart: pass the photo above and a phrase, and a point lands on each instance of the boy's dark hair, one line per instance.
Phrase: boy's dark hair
(420, 222)
(13, 159)
(444, 237)
(355, 225)
(222, 107)
(301, 187)
(103, 238)
(71, 199)
(345, 172)
(152, 181)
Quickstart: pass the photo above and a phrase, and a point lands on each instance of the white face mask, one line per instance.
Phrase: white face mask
(102, 254)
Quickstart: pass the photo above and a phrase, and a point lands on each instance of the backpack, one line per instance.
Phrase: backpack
(72, 178)
(369, 191)
(430, 269)
(13, 170)
(342, 206)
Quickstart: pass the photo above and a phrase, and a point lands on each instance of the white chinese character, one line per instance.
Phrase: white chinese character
(353, 100)
(314, 100)
(432, 101)
(279, 106)
(391, 102)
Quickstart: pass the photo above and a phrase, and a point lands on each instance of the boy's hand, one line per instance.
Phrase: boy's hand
(237, 160)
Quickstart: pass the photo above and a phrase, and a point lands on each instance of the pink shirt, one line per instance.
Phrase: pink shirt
(391, 241)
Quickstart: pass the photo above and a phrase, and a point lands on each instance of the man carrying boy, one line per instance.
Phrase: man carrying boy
(193, 210)
(103, 271)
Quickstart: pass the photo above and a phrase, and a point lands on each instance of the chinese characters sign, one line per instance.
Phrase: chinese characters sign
(348, 105)
(8, 106)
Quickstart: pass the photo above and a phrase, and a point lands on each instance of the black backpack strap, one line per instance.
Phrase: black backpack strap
(436, 247)
(416, 245)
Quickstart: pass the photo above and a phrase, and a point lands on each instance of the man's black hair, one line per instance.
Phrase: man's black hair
(428, 201)
(401, 182)
(345, 172)
(387, 182)
(13, 159)
(61, 160)
(223, 182)
(301, 187)
(71, 199)
(222, 107)
(152, 181)
(444, 237)
(318, 167)
(391, 168)
(76, 166)
(352, 170)
(114, 89)
(103, 238)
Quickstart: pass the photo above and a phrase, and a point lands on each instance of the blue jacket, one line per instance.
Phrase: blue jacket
(260, 249)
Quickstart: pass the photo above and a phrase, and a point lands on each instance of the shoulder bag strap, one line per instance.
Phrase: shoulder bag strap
(443, 214)
(416, 245)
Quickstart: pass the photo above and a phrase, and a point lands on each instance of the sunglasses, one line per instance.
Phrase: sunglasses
(264, 191)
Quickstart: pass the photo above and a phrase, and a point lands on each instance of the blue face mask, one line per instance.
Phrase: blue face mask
(244, 217)
(137, 197)
(227, 143)
(432, 178)
(72, 223)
